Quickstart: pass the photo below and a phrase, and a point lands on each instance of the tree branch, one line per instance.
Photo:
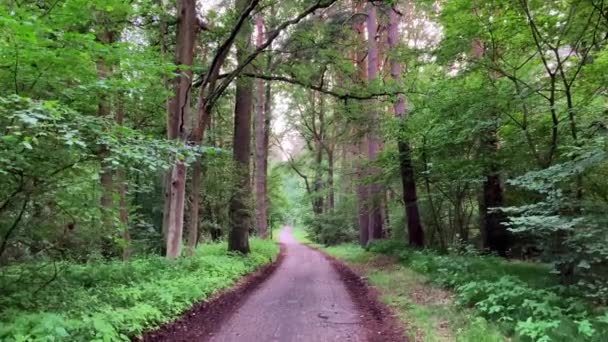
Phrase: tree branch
(339, 95)
(216, 93)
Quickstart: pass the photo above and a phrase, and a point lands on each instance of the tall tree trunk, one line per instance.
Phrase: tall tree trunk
(410, 201)
(267, 120)
(167, 175)
(261, 208)
(103, 110)
(495, 235)
(196, 137)
(361, 188)
(121, 189)
(240, 215)
(319, 136)
(373, 143)
(187, 26)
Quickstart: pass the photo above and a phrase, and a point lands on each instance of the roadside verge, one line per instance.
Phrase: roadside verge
(203, 319)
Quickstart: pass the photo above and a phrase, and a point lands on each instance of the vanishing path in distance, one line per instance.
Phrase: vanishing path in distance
(303, 300)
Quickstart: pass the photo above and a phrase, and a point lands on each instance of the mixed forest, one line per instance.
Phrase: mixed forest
(151, 149)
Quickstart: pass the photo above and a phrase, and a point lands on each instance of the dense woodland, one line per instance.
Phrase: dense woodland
(132, 129)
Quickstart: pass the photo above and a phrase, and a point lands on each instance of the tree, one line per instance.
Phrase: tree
(373, 145)
(362, 189)
(187, 26)
(240, 215)
(261, 145)
(414, 225)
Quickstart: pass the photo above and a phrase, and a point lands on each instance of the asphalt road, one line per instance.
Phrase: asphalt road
(303, 300)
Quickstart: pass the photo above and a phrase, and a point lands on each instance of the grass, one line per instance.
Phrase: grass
(113, 301)
(428, 312)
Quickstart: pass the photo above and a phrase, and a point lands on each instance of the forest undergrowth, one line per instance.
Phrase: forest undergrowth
(114, 301)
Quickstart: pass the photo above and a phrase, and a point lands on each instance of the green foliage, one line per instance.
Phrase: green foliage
(115, 301)
(521, 297)
(334, 227)
(570, 232)
(278, 204)
(49, 163)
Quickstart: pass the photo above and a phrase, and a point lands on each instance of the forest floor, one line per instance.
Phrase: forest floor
(309, 297)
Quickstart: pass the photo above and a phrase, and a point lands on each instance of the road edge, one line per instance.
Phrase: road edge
(208, 315)
(379, 321)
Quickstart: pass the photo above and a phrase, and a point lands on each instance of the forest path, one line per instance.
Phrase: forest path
(303, 300)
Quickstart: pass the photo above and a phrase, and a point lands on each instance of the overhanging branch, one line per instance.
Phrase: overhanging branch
(321, 89)
(216, 93)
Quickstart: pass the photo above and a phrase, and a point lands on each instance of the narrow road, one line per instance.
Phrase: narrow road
(303, 300)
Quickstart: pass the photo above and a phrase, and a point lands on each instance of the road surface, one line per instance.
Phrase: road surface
(303, 300)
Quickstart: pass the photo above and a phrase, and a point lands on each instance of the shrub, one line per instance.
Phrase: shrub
(330, 228)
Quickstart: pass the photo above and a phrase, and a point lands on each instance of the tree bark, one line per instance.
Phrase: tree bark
(361, 189)
(121, 189)
(167, 175)
(103, 111)
(373, 143)
(240, 211)
(192, 239)
(261, 208)
(414, 225)
(187, 26)
(196, 137)
(318, 134)
(495, 235)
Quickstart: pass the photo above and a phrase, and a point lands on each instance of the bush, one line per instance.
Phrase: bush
(330, 228)
(111, 301)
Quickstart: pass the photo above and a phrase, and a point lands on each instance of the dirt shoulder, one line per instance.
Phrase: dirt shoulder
(205, 318)
(379, 321)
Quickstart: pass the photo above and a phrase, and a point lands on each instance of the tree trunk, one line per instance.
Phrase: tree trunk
(373, 143)
(196, 137)
(330, 181)
(167, 175)
(267, 118)
(363, 215)
(240, 215)
(192, 240)
(176, 125)
(410, 200)
(495, 235)
(261, 209)
(414, 225)
(361, 189)
(121, 189)
(103, 111)
(319, 135)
